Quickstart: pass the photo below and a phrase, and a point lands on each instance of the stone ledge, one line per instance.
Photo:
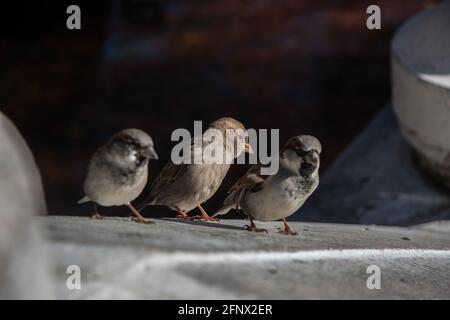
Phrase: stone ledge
(176, 260)
(228, 235)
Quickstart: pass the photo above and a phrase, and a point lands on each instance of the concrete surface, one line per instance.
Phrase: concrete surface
(376, 181)
(420, 58)
(178, 260)
(23, 267)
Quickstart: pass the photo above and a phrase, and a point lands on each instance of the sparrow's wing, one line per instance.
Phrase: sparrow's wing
(252, 181)
(251, 178)
(172, 172)
(169, 174)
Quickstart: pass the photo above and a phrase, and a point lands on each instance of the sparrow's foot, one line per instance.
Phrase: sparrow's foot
(253, 228)
(142, 220)
(137, 217)
(204, 216)
(287, 230)
(182, 215)
(98, 216)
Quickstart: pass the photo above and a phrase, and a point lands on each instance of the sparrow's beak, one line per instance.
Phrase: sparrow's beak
(248, 148)
(312, 158)
(149, 152)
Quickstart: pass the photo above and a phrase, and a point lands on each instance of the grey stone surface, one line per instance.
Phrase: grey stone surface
(376, 181)
(23, 268)
(177, 260)
(436, 226)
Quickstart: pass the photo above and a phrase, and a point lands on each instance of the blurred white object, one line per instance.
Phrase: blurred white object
(421, 87)
(24, 271)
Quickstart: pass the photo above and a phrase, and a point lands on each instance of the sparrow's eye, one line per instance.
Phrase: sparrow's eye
(133, 143)
(301, 152)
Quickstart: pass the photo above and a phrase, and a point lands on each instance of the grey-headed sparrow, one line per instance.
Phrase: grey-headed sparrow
(275, 197)
(118, 171)
(185, 186)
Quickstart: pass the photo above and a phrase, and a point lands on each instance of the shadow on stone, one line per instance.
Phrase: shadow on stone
(220, 225)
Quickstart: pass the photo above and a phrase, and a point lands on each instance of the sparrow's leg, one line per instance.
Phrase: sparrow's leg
(137, 216)
(287, 230)
(97, 215)
(252, 227)
(204, 215)
(181, 214)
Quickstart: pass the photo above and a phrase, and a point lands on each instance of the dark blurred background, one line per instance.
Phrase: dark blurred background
(303, 66)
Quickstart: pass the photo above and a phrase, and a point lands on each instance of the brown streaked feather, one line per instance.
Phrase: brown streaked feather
(252, 180)
(226, 123)
(170, 173)
(173, 172)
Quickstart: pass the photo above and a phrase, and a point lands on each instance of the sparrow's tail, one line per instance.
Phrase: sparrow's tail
(142, 205)
(147, 202)
(84, 200)
(223, 210)
(230, 202)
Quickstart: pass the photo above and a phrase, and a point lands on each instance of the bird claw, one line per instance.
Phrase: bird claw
(141, 220)
(184, 217)
(254, 229)
(202, 218)
(288, 232)
(98, 216)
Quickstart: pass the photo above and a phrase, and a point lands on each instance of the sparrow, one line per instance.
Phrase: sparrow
(118, 171)
(275, 197)
(185, 186)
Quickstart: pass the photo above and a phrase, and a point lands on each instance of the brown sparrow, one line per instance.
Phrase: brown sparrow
(185, 186)
(118, 170)
(274, 197)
